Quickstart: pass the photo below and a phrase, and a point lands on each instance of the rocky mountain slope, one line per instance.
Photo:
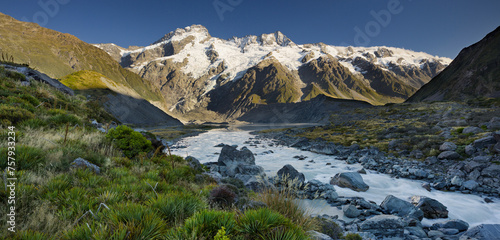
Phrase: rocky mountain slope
(196, 71)
(475, 72)
(58, 55)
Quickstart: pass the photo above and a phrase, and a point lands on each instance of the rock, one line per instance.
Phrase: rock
(230, 155)
(491, 171)
(470, 185)
(448, 146)
(431, 160)
(351, 211)
(194, 163)
(318, 236)
(289, 173)
(471, 166)
(482, 159)
(473, 130)
(454, 223)
(417, 231)
(483, 232)
(83, 164)
(470, 150)
(484, 142)
(450, 155)
(426, 186)
(449, 231)
(457, 181)
(394, 205)
(494, 123)
(434, 234)
(252, 182)
(432, 208)
(384, 225)
(352, 180)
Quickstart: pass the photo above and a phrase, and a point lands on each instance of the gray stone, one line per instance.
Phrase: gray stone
(402, 208)
(471, 166)
(491, 171)
(384, 225)
(448, 146)
(252, 182)
(483, 232)
(194, 163)
(473, 130)
(432, 208)
(482, 159)
(83, 164)
(289, 173)
(434, 234)
(457, 181)
(330, 195)
(318, 236)
(484, 142)
(494, 123)
(470, 185)
(449, 231)
(453, 223)
(417, 231)
(450, 155)
(470, 150)
(351, 211)
(352, 180)
(230, 155)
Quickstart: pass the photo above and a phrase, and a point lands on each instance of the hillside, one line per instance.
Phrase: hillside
(474, 73)
(59, 54)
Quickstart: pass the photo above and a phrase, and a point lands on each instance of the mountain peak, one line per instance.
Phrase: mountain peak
(277, 38)
(198, 31)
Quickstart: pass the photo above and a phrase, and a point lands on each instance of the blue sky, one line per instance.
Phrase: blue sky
(438, 27)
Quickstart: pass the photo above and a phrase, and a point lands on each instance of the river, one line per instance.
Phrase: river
(467, 207)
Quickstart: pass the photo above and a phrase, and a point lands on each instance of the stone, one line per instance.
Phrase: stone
(470, 150)
(473, 130)
(470, 185)
(482, 159)
(289, 173)
(230, 155)
(314, 235)
(432, 208)
(484, 142)
(483, 232)
(351, 211)
(84, 164)
(494, 123)
(434, 234)
(352, 180)
(450, 155)
(426, 186)
(453, 223)
(448, 146)
(457, 181)
(402, 208)
(471, 166)
(491, 171)
(384, 225)
(417, 231)
(449, 231)
(194, 163)
(252, 182)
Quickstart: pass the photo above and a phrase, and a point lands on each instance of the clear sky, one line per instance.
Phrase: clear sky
(437, 27)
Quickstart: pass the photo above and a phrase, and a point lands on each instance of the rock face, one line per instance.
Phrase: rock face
(483, 232)
(384, 225)
(352, 180)
(82, 163)
(394, 205)
(289, 173)
(432, 208)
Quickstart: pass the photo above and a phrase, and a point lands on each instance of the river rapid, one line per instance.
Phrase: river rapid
(470, 208)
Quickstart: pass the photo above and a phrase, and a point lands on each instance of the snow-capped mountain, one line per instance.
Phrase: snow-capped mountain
(196, 71)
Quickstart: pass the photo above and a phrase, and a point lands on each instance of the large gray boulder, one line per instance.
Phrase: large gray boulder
(384, 225)
(402, 208)
(314, 235)
(483, 232)
(432, 208)
(494, 123)
(448, 146)
(351, 211)
(194, 163)
(450, 155)
(352, 180)
(229, 155)
(253, 182)
(484, 142)
(453, 224)
(84, 164)
(289, 173)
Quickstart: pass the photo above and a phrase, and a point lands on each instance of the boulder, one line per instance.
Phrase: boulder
(194, 163)
(494, 123)
(448, 146)
(314, 235)
(491, 171)
(470, 150)
(352, 180)
(453, 223)
(288, 172)
(402, 208)
(457, 181)
(252, 182)
(432, 208)
(450, 155)
(351, 211)
(229, 155)
(417, 231)
(384, 225)
(473, 130)
(470, 185)
(484, 142)
(483, 232)
(84, 164)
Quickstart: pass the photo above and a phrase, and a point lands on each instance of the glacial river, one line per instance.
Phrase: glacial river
(470, 208)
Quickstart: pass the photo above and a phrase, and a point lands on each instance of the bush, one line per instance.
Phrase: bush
(62, 119)
(26, 158)
(205, 225)
(14, 114)
(129, 141)
(34, 123)
(222, 196)
(174, 209)
(259, 224)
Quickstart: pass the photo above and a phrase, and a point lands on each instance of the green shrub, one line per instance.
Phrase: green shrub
(33, 123)
(174, 209)
(205, 225)
(177, 174)
(259, 223)
(26, 158)
(140, 221)
(129, 141)
(32, 100)
(30, 235)
(352, 236)
(62, 119)
(14, 114)
(54, 112)
(221, 234)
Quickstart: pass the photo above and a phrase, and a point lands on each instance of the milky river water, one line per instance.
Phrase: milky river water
(470, 208)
